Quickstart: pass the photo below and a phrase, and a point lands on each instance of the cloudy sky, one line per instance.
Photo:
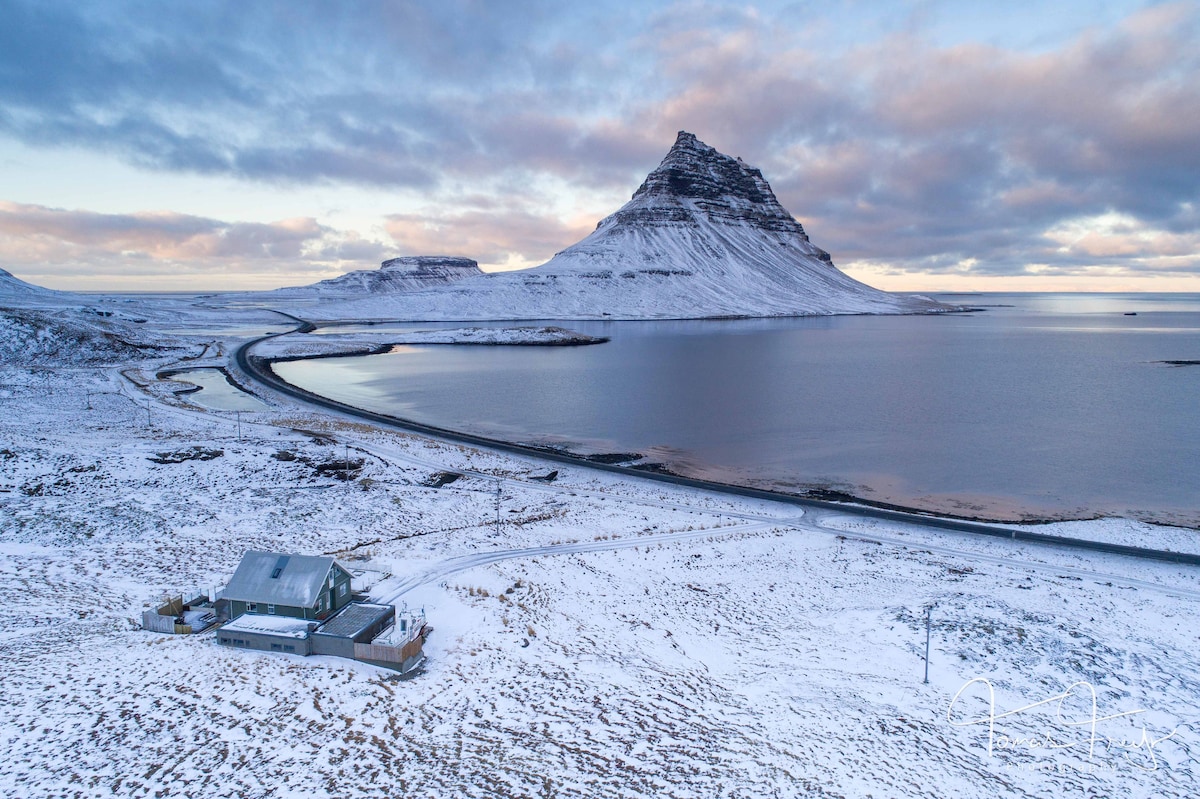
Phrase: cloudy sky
(926, 145)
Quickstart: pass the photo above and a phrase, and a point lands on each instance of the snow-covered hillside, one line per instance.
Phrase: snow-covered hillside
(15, 292)
(69, 336)
(704, 236)
(595, 635)
(15, 286)
(607, 637)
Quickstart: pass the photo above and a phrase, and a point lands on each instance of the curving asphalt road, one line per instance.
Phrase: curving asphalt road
(259, 369)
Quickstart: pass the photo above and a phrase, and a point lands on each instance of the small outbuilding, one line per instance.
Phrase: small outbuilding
(310, 587)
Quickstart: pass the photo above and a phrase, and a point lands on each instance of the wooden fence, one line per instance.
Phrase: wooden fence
(382, 653)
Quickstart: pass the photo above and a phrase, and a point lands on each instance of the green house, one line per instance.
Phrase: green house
(299, 586)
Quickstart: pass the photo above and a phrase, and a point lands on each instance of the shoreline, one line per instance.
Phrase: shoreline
(258, 368)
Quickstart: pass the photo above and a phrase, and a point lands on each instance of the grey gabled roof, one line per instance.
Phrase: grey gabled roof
(299, 580)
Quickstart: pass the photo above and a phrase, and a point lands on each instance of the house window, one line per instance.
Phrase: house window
(271, 609)
(342, 589)
(252, 607)
(288, 648)
(275, 574)
(275, 648)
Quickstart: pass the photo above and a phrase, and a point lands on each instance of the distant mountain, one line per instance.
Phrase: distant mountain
(412, 273)
(704, 236)
(14, 288)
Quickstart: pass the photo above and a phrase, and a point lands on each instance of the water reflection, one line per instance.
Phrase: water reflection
(217, 392)
(1026, 406)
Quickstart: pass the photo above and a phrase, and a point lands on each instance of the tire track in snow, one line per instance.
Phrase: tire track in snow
(460, 563)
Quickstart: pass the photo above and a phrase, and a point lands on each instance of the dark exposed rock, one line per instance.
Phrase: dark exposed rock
(613, 457)
(196, 453)
(439, 479)
(339, 468)
(723, 188)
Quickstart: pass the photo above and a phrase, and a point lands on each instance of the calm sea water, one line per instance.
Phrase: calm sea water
(1042, 404)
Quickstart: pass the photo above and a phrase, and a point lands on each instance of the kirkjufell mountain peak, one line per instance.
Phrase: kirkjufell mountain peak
(703, 236)
(717, 184)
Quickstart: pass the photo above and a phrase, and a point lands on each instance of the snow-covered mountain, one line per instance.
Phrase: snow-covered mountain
(411, 273)
(704, 236)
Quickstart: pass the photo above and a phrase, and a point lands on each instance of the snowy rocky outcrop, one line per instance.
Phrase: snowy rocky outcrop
(398, 275)
(704, 236)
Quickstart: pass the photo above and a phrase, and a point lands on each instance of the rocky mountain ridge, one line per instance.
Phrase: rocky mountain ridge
(721, 187)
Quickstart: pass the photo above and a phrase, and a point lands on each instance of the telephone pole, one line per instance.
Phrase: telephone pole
(928, 625)
(498, 490)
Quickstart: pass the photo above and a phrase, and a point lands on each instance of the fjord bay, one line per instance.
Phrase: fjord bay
(1036, 406)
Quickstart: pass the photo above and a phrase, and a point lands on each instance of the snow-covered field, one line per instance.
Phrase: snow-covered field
(605, 637)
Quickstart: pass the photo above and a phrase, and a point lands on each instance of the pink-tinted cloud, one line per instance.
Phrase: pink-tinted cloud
(891, 146)
(158, 234)
(161, 244)
(492, 237)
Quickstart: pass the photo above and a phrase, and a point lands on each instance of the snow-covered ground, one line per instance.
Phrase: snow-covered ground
(594, 636)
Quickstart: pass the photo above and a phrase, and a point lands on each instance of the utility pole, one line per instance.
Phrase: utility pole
(928, 624)
(239, 420)
(346, 463)
(89, 400)
(498, 489)
(148, 424)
